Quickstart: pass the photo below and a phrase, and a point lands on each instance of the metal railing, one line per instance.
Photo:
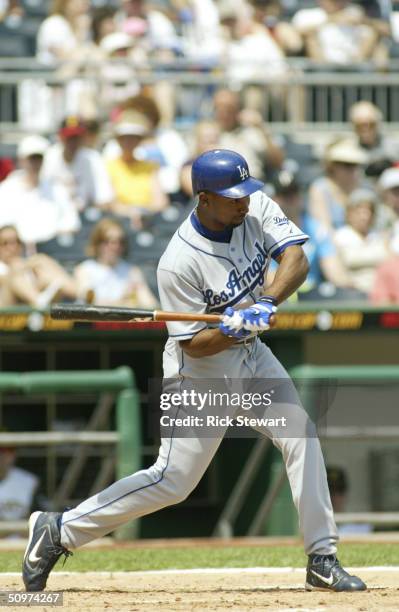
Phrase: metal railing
(36, 96)
(126, 443)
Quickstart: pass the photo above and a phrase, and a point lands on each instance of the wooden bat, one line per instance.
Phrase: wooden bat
(114, 313)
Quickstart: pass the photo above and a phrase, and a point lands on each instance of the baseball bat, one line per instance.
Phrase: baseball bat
(75, 312)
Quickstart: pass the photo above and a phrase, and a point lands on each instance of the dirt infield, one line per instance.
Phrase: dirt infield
(218, 590)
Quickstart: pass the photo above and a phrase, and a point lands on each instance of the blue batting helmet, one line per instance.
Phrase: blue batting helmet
(224, 172)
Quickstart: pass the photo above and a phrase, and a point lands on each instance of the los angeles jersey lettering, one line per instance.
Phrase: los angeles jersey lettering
(200, 274)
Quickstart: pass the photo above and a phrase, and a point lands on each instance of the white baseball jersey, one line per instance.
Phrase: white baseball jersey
(205, 271)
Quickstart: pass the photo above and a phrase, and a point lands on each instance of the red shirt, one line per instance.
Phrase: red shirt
(386, 284)
(6, 166)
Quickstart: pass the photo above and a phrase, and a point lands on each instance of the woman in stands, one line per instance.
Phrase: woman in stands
(65, 33)
(135, 181)
(329, 194)
(112, 279)
(36, 280)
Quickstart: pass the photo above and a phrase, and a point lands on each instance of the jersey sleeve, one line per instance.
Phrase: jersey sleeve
(279, 232)
(180, 295)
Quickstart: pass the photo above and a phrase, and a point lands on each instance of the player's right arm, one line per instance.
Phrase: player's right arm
(180, 293)
(206, 343)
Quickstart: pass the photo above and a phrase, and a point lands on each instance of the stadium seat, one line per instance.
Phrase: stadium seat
(14, 43)
(36, 8)
(67, 250)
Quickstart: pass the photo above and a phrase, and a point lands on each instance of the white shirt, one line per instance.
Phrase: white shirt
(38, 213)
(54, 32)
(361, 255)
(339, 42)
(255, 56)
(16, 494)
(108, 283)
(85, 178)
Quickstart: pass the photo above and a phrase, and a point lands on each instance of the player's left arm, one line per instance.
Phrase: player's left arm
(291, 273)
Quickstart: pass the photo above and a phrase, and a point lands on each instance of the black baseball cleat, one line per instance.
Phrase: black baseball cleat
(43, 550)
(325, 573)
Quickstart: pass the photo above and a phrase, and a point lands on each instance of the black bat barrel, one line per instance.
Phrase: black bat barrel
(97, 313)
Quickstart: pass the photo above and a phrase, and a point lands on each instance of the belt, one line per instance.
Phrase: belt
(246, 341)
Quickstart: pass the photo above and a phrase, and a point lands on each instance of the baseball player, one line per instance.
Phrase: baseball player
(216, 263)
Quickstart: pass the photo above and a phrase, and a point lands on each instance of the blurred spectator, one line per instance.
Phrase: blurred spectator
(118, 78)
(338, 485)
(360, 247)
(270, 14)
(200, 29)
(112, 279)
(137, 18)
(18, 488)
(64, 35)
(255, 49)
(36, 280)
(11, 10)
(339, 32)
(381, 150)
(245, 131)
(388, 185)
(163, 145)
(79, 169)
(136, 182)
(39, 208)
(328, 195)
(103, 22)
(6, 167)
(386, 283)
(324, 264)
(207, 137)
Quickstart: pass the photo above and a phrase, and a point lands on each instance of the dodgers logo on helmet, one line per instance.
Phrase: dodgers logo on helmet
(223, 172)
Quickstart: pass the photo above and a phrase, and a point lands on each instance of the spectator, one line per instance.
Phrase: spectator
(244, 131)
(103, 22)
(6, 167)
(112, 279)
(328, 194)
(381, 150)
(36, 280)
(388, 185)
(385, 290)
(207, 137)
(38, 207)
(136, 182)
(64, 35)
(361, 248)
(118, 78)
(18, 488)
(137, 17)
(338, 32)
(163, 146)
(270, 14)
(327, 278)
(253, 50)
(79, 169)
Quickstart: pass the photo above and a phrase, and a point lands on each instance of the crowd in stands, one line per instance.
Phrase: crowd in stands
(86, 212)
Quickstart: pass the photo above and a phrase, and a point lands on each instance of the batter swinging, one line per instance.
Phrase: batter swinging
(215, 262)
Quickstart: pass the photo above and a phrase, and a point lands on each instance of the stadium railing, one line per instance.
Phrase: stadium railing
(118, 383)
(307, 378)
(325, 93)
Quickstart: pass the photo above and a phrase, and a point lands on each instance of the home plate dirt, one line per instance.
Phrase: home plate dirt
(253, 589)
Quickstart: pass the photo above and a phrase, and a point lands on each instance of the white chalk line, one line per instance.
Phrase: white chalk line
(209, 570)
